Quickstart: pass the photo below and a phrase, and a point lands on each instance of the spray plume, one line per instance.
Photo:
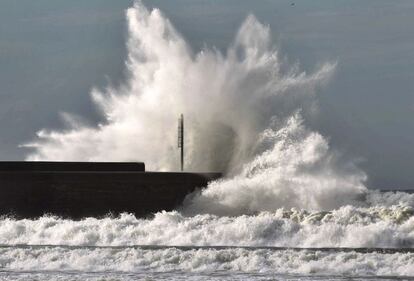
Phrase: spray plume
(243, 114)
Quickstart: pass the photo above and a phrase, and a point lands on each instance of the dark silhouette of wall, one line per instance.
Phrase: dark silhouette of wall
(70, 166)
(30, 192)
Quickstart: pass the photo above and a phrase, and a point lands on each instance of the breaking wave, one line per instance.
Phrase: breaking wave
(245, 115)
(227, 261)
(297, 170)
(126, 247)
(344, 227)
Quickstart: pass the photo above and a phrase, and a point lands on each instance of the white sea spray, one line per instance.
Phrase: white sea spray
(245, 116)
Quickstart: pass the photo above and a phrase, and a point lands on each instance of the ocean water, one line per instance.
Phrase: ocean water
(289, 208)
(345, 243)
(171, 263)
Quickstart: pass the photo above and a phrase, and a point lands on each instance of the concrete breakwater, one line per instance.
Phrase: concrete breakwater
(76, 189)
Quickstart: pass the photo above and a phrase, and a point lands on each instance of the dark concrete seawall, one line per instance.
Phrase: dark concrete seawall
(49, 166)
(29, 193)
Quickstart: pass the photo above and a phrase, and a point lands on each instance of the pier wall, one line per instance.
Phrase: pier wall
(78, 194)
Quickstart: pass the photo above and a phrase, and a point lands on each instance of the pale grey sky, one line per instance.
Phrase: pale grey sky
(52, 52)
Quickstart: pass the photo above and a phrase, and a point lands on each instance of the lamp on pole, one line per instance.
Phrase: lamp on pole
(181, 139)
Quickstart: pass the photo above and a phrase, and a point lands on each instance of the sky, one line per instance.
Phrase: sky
(52, 52)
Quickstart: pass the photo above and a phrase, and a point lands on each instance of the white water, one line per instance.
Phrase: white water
(344, 227)
(228, 100)
(136, 260)
(246, 113)
(296, 170)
